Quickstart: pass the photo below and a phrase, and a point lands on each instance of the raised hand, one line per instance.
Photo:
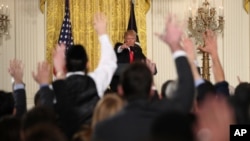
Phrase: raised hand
(189, 48)
(16, 70)
(214, 116)
(59, 61)
(150, 65)
(210, 40)
(123, 46)
(42, 76)
(172, 34)
(100, 24)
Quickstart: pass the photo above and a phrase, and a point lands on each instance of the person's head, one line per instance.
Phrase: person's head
(38, 115)
(130, 37)
(76, 59)
(242, 93)
(106, 107)
(7, 104)
(241, 103)
(44, 132)
(168, 89)
(204, 90)
(10, 128)
(136, 81)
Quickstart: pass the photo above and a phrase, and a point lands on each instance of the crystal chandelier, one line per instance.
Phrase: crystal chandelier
(206, 18)
(4, 20)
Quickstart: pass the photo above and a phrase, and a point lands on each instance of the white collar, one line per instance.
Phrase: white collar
(75, 73)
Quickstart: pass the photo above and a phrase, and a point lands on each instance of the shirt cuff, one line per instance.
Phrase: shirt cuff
(44, 85)
(18, 86)
(119, 50)
(198, 82)
(179, 53)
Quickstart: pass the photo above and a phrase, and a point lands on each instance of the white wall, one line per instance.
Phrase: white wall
(233, 45)
(27, 40)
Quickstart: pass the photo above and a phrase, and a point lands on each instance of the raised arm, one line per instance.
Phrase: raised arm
(42, 77)
(189, 48)
(210, 47)
(103, 74)
(185, 86)
(19, 93)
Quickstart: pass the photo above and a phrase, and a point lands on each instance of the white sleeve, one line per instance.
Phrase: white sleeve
(103, 74)
(178, 53)
(119, 49)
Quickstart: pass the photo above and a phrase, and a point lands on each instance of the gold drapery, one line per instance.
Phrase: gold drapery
(246, 5)
(81, 14)
(42, 5)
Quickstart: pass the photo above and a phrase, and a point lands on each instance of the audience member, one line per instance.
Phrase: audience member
(214, 117)
(210, 47)
(168, 88)
(19, 92)
(39, 115)
(241, 103)
(106, 107)
(212, 103)
(45, 132)
(77, 92)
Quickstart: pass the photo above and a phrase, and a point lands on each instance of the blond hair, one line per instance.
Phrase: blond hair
(130, 32)
(106, 107)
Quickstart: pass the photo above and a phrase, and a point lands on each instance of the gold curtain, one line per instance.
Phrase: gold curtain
(81, 14)
(246, 5)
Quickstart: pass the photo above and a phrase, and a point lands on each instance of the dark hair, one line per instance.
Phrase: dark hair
(7, 103)
(76, 58)
(204, 90)
(44, 132)
(241, 103)
(38, 115)
(136, 81)
(10, 128)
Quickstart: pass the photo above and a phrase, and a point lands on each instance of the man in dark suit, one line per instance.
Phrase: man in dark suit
(19, 92)
(127, 52)
(77, 92)
(130, 50)
(133, 123)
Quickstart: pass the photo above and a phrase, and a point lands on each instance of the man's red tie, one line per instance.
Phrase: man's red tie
(131, 56)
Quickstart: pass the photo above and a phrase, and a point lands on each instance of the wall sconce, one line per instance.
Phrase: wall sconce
(4, 20)
(205, 19)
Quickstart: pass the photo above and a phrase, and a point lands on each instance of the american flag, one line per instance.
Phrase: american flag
(132, 21)
(65, 36)
(66, 32)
